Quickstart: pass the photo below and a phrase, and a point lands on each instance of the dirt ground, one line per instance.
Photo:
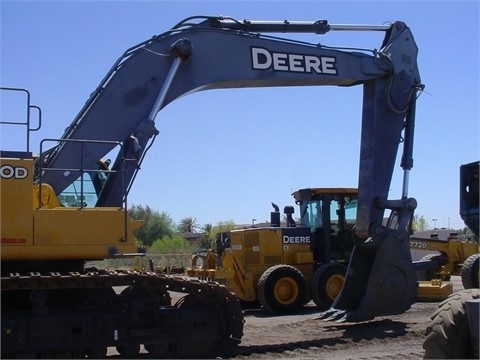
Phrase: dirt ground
(304, 336)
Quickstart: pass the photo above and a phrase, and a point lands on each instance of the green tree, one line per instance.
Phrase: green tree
(206, 231)
(171, 244)
(222, 226)
(156, 225)
(419, 223)
(171, 251)
(188, 225)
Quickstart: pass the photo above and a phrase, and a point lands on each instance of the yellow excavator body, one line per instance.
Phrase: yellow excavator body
(34, 226)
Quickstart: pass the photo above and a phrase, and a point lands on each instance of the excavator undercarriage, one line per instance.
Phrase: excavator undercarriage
(73, 315)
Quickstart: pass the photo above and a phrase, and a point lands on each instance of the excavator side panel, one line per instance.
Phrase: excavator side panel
(16, 203)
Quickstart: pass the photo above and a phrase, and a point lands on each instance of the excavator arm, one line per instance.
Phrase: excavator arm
(202, 53)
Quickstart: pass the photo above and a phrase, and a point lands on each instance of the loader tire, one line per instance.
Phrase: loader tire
(448, 334)
(281, 289)
(326, 283)
(469, 272)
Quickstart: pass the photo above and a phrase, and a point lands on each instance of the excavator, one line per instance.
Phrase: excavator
(68, 204)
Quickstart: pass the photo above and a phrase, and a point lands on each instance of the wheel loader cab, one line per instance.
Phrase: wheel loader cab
(330, 214)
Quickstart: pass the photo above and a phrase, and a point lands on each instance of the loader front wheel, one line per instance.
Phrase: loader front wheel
(448, 334)
(282, 289)
(469, 272)
(326, 283)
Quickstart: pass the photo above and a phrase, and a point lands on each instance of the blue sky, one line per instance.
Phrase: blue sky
(226, 154)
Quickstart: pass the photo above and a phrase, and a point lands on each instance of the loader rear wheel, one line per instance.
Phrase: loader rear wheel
(448, 334)
(282, 289)
(326, 283)
(469, 272)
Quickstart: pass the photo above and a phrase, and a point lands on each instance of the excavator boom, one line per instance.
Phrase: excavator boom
(208, 55)
(217, 53)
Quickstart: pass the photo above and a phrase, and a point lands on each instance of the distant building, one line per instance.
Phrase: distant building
(439, 234)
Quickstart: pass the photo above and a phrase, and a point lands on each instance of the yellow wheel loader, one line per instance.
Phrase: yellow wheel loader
(285, 264)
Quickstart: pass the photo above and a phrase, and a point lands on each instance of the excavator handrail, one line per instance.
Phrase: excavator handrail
(27, 121)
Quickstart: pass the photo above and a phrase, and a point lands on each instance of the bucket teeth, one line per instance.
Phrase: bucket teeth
(326, 315)
(334, 315)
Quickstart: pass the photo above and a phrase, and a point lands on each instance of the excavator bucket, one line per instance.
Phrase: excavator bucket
(380, 280)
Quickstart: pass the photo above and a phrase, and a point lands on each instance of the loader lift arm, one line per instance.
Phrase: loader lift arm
(203, 53)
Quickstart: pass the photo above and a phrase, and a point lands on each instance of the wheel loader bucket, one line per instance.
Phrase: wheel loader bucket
(380, 280)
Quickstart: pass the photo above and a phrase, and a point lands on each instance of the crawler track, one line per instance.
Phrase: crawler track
(73, 315)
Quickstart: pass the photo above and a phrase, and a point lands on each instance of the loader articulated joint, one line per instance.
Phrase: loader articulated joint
(182, 49)
(405, 203)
